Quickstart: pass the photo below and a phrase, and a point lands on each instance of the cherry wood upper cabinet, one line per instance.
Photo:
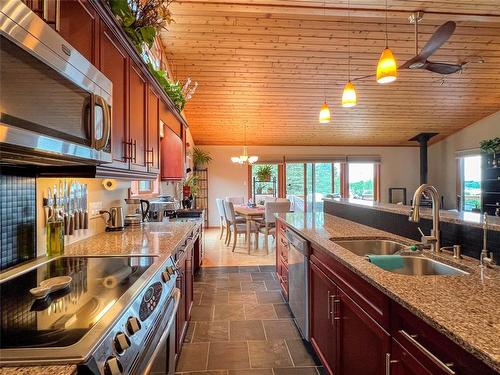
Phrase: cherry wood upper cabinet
(137, 118)
(323, 323)
(114, 65)
(172, 156)
(78, 24)
(153, 148)
(363, 344)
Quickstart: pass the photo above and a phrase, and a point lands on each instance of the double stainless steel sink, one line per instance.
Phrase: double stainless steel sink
(406, 264)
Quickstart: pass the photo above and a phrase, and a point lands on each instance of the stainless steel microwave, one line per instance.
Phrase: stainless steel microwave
(55, 106)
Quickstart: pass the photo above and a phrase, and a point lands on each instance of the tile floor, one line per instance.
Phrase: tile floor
(240, 325)
(218, 254)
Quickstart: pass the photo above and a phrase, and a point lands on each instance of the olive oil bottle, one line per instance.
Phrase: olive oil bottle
(55, 231)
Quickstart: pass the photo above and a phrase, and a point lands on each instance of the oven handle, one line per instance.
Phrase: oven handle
(101, 143)
(177, 297)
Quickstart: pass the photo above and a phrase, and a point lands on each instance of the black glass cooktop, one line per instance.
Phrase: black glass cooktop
(64, 317)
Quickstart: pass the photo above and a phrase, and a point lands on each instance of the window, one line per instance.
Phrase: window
(145, 187)
(471, 183)
(263, 188)
(361, 181)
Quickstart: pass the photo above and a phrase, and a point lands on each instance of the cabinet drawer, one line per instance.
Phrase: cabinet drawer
(280, 228)
(283, 279)
(433, 350)
(282, 244)
(374, 302)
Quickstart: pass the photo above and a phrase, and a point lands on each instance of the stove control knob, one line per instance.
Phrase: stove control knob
(113, 366)
(171, 270)
(165, 275)
(133, 325)
(121, 342)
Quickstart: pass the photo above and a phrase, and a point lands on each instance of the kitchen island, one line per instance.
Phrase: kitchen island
(149, 239)
(462, 308)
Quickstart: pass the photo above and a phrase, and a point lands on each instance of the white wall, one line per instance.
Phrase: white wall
(400, 168)
(442, 155)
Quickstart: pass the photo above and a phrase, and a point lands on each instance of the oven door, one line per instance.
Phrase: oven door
(158, 356)
(53, 102)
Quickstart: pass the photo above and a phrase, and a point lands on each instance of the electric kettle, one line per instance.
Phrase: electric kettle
(116, 219)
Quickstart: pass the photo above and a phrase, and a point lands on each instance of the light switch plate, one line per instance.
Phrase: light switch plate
(94, 208)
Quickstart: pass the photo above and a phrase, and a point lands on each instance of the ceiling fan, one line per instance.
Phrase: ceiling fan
(440, 36)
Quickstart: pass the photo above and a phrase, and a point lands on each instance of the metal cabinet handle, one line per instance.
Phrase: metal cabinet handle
(128, 151)
(388, 362)
(443, 366)
(150, 161)
(336, 302)
(134, 144)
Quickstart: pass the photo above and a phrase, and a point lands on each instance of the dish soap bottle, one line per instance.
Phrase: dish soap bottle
(55, 231)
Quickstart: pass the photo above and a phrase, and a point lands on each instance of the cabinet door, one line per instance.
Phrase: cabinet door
(181, 311)
(153, 146)
(189, 282)
(137, 118)
(78, 24)
(114, 65)
(172, 156)
(401, 362)
(323, 327)
(363, 344)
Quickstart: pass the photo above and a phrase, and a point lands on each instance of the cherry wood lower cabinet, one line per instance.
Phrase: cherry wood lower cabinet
(356, 329)
(282, 258)
(323, 325)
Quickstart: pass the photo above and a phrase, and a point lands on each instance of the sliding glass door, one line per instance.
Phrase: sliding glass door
(362, 181)
(296, 185)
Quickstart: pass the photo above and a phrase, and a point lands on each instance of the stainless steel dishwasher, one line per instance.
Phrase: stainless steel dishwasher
(298, 281)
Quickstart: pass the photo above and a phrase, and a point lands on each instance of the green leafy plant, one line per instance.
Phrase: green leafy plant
(142, 19)
(264, 172)
(490, 146)
(200, 157)
(172, 89)
(192, 182)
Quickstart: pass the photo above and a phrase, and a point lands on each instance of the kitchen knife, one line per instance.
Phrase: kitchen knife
(82, 218)
(86, 211)
(76, 214)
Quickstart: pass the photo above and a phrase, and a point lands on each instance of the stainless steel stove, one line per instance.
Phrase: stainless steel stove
(116, 317)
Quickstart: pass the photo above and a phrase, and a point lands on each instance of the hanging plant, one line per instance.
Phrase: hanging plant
(142, 19)
(200, 157)
(264, 173)
(179, 94)
(490, 146)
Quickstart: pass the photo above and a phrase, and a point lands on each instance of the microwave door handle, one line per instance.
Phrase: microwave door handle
(101, 143)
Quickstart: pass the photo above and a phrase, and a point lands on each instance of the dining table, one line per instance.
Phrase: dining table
(250, 214)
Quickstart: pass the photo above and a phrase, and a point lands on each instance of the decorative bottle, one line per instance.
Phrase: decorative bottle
(55, 231)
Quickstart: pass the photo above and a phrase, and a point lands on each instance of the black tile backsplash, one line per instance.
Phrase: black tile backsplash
(18, 219)
(471, 238)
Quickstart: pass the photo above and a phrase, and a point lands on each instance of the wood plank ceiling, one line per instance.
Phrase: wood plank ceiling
(265, 64)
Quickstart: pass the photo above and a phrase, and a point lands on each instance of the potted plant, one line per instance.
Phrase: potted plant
(264, 173)
(201, 158)
(142, 19)
(491, 146)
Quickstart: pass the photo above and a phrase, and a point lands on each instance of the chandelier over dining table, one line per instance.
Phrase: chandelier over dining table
(244, 158)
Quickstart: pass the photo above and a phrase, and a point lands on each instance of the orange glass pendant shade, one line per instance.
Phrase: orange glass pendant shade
(387, 69)
(324, 114)
(349, 95)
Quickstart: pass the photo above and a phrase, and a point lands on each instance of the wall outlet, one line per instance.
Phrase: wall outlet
(94, 208)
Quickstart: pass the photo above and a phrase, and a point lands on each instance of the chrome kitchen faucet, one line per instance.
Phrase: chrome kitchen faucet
(434, 240)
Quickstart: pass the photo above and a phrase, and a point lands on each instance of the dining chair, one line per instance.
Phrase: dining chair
(268, 225)
(236, 200)
(236, 227)
(222, 216)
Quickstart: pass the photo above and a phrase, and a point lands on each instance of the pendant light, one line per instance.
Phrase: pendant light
(324, 112)
(244, 158)
(387, 69)
(349, 95)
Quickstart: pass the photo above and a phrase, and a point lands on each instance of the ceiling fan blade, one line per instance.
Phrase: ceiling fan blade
(440, 36)
(442, 68)
(415, 62)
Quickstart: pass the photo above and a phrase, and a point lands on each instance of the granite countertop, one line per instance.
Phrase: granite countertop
(464, 308)
(467, 218)
(149, 239)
